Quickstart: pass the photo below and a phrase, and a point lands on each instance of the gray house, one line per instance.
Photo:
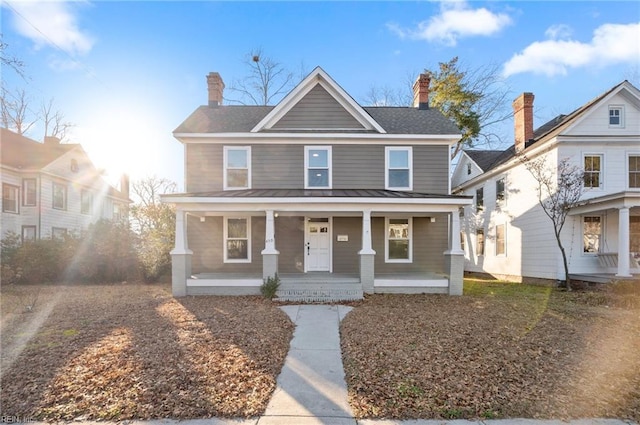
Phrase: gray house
(336, 198)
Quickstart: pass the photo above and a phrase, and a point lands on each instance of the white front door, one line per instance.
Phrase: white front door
(317, 245)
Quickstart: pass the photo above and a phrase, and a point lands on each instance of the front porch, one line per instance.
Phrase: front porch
(317, 286)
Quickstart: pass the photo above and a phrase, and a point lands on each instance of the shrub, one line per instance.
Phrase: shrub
(270, 286)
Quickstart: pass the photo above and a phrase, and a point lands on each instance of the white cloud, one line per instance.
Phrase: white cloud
(558, 31)
(611, 44)
(455, 21)
(51, 23)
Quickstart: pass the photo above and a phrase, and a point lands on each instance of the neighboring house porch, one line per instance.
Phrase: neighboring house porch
(612, 232)
(343, 242)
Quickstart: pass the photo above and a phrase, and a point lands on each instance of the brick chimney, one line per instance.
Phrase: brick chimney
(124, 185)
(51, 140)
(216, 88)
(421, 92)
(523, 120)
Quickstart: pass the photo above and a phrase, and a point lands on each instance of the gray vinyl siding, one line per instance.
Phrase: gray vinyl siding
(345, 254)
(318, 110)
(290, 244)
(206, 240)
(430, 240)
(431, 169)
(276, 166)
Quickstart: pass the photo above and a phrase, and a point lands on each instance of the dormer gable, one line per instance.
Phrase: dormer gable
(318, 103)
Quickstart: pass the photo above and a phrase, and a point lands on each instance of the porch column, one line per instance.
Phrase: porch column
(623, 242)
(454, 257)
(367, 255)
(180, 257)
(269, 253)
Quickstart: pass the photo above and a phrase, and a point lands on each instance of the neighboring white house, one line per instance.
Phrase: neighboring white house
(50, 189)
(505, 232)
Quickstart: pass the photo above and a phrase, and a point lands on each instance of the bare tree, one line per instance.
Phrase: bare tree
(558, 191)
(267, 79)
(10, 61)
(14, 111)
(54, 122)
(392, 96)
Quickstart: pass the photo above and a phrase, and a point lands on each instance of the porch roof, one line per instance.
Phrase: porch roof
(627, 199)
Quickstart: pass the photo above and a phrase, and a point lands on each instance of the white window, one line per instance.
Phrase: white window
(479, 242)
(398, 243)
(59, 196)
(317, 165)
(118, 212)
(29, 192)
(10, 196)
(399, 168)
(237, 167)
(592, 171)
(86, 202)
(237, 240)
(634, 171)
(616, 116)
(591, 234)
(501, 240)
(500, 192)
(28, 233)
(479, 199)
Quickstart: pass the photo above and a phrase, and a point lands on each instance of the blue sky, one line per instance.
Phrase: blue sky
(127, 73)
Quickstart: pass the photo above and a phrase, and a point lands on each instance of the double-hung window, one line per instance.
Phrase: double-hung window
(479, 242)
(479, 199)
(616, 116)
(317, 164)
(634, 171)
(500, 192)
(86, 202)
(29, 192)
(237, 167)
(59, 196)
(398, 240)
(501, 241)
(592, 171)
(399, 168)
(237, 239)
(10, 196)
(591, 234)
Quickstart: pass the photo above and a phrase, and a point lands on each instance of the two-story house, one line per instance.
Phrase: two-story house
(505, 231)
(50, 189)
(334, 197)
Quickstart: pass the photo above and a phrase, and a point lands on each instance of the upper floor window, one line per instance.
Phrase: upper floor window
(399, 164)
(591, 234)
(479, 242)
(479, 199)
(616, 116)
(86, 202)
(10, 196)
(59, 196)
(118, 212)
(29, 192)
(237, 167)
(237, 240)
(317, 165)
(398, 240)
(592, 171)
(634, 171)
(500, 192)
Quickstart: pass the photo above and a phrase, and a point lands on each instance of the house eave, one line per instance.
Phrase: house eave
(305, 137)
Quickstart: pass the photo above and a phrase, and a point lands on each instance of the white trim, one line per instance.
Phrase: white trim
(627, 170)
(329, 167)
(306, 241)
(503, 255)
(225, 167)
(225, 225)
(318, 76)
(387, 151)
(621, 117)
(386, 241)
(302, 138)
(15, 190)
(224, 282)
(601, 175)
(601, 236)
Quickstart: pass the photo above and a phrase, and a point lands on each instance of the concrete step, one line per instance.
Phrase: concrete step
(319, 292)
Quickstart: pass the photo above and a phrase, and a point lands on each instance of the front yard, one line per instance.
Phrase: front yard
(504, 350)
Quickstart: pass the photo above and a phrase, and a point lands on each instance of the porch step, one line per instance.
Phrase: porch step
(319, 293)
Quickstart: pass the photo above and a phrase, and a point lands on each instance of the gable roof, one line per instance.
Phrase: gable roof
(262, 119)
(492, 159)
(19, 151)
